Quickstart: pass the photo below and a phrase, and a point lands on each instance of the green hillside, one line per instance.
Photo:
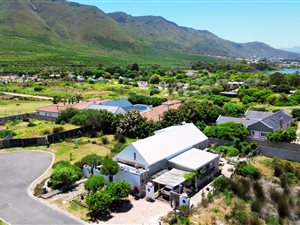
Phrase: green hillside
(62, 33)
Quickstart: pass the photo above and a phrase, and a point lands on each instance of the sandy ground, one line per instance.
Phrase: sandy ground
(142, 212)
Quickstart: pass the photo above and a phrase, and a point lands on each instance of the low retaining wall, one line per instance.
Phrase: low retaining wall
(281, 153)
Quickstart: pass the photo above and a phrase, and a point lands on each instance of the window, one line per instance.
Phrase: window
(263, 134)
(134, 156)
(252, 133)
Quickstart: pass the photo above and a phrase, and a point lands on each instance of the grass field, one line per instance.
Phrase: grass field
(75, 149)
(14, 107)
(110, 90)
(23, 131)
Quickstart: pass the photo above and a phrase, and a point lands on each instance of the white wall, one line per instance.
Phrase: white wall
(50, 114)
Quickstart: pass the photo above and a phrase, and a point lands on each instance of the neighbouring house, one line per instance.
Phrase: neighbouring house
(260, 123)
(113, 109)
(166, 157)
(233, 93)
(142, 84)
(125, 105)
(54, 110)
(156, 113)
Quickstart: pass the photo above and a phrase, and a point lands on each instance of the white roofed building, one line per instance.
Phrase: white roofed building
(176, 147)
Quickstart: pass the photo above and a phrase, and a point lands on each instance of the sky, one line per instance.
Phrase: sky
(275, 22)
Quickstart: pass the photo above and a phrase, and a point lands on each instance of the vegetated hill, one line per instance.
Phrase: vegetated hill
(59, 31)
(165, 34)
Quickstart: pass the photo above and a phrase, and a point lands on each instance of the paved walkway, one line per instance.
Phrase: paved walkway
(17, 171)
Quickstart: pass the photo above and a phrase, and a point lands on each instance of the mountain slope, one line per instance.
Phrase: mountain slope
(60, 31)
(165, 34)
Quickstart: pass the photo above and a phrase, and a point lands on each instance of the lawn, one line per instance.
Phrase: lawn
(23, 130)
(14, 107)
(110, 90)
(75, 149)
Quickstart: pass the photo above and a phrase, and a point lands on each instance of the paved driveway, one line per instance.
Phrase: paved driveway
(17, 171)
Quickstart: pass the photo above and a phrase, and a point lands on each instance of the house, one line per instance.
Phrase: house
(126, 105)
(113, 109)
(54, 110)
(165, 157)
(156, 113)
(260, 123)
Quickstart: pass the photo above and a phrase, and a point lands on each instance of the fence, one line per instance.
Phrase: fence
(42, 141)
(3, 120)
(289, 151)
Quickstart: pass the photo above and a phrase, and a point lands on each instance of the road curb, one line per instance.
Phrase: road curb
(37, 180)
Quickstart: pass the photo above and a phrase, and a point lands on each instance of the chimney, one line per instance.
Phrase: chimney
(281, 121)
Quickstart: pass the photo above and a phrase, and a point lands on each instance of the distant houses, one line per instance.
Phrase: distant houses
(260, 123)
(54, 110)
(156, 113)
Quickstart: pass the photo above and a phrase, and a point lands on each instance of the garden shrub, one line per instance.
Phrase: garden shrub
(104, 140)
(56, 130)
(247, 170)
(31, 124)
(26, 119)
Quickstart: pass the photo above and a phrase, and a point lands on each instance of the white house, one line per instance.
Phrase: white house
(176, 148)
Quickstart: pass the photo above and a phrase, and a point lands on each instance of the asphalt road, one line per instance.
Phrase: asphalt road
(17, 171)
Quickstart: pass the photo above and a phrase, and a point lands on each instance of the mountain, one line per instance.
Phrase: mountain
(162, 33)
(295, 49)
(62, 31)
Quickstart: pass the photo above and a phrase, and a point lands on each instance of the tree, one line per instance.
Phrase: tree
(56, 99)
(64, 174)
(99, 201)
(171, 117)
(91, 160)
(109, 168)
(227, 131)
(97, 119)
(283, 135)
(132, 125)
(230, 109)
(154, 79)
(296, 113)
(135, 67)
(94, 183)
(66, 115)
(119, 189)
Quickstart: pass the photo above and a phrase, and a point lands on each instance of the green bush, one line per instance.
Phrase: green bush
(94, 183)
(227, 131)
(283, 135)
(91, 160)
(228, 150)
(247, 170)
(221, 183)
(119, 189)
(64, 173)
(99, 202)
(104, 140)
(31, 124)
(56, 130)
(5, 133)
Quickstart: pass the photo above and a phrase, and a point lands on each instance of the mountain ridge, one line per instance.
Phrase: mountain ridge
(76, 26)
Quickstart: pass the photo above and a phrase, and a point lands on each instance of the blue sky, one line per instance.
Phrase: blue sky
(275, 22)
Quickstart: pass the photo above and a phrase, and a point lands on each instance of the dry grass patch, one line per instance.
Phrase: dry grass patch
(264, 164)
(216, 211)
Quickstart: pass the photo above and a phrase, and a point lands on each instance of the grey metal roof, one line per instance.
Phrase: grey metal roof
(120, 103)
(246, 122)
(112, 109)
(251, 114)
(277, 119)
